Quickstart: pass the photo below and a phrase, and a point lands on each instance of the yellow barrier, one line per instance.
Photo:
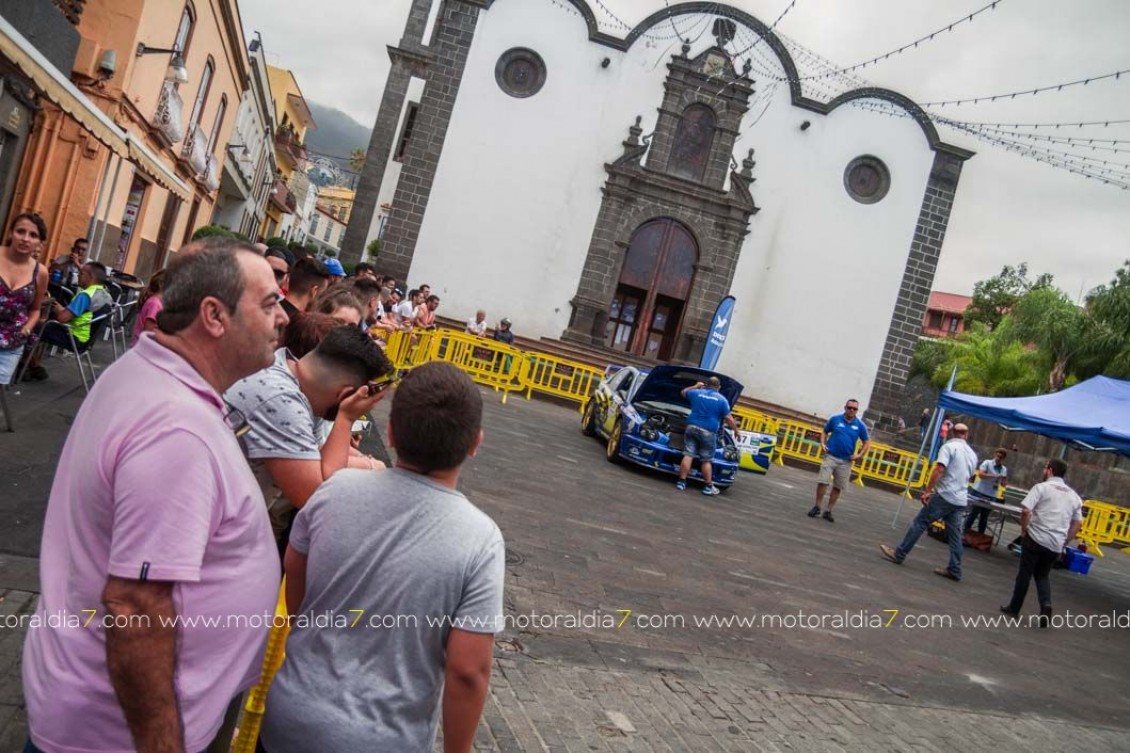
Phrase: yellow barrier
(559, 377)
(256, 704)
(488, 362)
(751, 420)
(1104, 523)
(893, 466)
(799, 441)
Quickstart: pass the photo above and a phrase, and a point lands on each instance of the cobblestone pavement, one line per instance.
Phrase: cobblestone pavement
(589, 540)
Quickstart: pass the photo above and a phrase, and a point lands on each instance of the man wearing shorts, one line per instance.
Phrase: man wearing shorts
(708, 410)
(840, 436)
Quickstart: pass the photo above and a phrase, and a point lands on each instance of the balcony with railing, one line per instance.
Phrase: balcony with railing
(212, 174)
(167, 119)
(288, 145)
(283, 199)
(195, 151)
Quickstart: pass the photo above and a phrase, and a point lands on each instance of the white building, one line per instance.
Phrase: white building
(249, 169)
(511, 146)
(326, 231)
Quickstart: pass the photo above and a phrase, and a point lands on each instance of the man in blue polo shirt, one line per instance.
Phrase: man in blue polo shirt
(708, 410)
(840, 436)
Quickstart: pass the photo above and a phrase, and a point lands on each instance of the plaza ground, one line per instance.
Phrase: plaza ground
(591, 542)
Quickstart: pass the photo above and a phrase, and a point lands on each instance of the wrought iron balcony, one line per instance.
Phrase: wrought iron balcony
(167, 119)
(288, 145)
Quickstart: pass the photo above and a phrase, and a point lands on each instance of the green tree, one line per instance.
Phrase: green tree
(990, 363)
(1109, 309)
(995, 297)
(1062, 332)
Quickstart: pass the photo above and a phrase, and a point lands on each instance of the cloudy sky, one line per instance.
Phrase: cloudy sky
(1009, 209)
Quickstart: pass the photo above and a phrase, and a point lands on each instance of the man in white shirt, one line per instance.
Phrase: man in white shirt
(1052, 515)
(944, 498)
(406, 309)
(991, 476)
(477, 324)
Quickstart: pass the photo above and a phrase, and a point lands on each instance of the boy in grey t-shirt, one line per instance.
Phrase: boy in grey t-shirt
(395, 583)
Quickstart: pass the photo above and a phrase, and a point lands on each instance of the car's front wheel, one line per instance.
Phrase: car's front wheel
(613, 451)
(588, 420)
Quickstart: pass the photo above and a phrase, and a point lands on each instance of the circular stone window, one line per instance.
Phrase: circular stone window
(520, 72)
(867, 179)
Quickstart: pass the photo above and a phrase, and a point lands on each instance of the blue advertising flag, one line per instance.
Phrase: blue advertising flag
(719, 329)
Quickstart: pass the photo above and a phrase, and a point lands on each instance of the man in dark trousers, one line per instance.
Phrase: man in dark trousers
(708, 410)
(1052, 515)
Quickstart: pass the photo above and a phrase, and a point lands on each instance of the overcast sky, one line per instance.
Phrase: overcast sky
(1009, 208)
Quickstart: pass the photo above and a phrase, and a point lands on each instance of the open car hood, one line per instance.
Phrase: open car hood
(664, 383)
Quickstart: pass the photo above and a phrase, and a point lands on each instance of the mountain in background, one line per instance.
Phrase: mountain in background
(335, 137)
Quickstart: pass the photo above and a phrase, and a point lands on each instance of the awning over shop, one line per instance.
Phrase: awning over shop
(60, 90)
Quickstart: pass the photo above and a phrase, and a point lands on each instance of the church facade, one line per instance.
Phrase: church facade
(611, 190)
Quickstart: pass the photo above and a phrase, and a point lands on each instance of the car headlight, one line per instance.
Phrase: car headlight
(730, 453)
(649, 433)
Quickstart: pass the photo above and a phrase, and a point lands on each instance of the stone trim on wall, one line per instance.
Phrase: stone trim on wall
(886, 402)
(451, 43)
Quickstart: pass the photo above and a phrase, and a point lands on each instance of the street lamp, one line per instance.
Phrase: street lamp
(177, 72)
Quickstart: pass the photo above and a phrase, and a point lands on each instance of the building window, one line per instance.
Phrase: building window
(693, 139)
(867, 179)
(201, 96)
(935, 320)
(215, 134)
(955, 322)
(184, 29)
(520, 72)
(329, 231)
(314, 225)
(406, 131)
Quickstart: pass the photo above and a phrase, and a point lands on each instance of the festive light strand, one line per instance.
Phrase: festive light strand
(908, 46)
(1038, 90)
(1102, 123)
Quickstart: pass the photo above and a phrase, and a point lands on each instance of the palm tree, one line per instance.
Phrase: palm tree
(357, 160)
(992, 363)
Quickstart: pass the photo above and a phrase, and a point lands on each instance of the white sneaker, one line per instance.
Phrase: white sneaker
(711, 490)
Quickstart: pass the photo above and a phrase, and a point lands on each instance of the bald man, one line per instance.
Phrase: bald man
(944, 498)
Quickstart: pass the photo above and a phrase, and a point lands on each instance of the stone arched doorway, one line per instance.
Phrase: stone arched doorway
(651, 295)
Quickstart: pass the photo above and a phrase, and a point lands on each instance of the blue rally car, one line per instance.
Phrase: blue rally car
(642, 414)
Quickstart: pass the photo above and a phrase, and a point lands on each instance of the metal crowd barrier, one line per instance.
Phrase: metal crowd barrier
(256, 704)
(1104, 523)
(559, 377)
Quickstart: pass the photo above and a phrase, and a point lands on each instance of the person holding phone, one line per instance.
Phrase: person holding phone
(282, 405)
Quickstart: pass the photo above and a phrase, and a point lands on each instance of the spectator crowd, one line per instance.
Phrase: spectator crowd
(250, 384)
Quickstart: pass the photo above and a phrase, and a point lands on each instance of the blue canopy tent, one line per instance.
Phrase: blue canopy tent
(1093, 415)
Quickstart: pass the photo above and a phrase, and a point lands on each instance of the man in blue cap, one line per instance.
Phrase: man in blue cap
(335, 268)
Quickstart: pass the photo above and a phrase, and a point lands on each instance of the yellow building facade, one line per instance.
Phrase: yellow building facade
(293, 120)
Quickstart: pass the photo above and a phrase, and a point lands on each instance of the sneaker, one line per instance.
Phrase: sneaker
(889, 554)
(711, 490)
(1045, 617)
(946, 573)
(681, 485)
(828, 516)
(814, 511)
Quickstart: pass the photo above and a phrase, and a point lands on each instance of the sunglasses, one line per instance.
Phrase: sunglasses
(851, 407)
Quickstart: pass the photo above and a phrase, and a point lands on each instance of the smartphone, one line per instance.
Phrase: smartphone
(381, 385)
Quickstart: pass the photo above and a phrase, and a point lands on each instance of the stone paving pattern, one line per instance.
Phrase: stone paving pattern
(587, 536)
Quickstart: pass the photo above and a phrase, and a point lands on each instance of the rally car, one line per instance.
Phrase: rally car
(642, 414)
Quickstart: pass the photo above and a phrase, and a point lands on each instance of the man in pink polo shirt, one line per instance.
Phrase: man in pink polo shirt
(158, 568)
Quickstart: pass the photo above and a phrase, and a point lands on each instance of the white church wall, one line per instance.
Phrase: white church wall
(819, 274)
(518, 190)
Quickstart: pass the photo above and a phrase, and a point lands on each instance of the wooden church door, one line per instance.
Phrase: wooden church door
(650, 298)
